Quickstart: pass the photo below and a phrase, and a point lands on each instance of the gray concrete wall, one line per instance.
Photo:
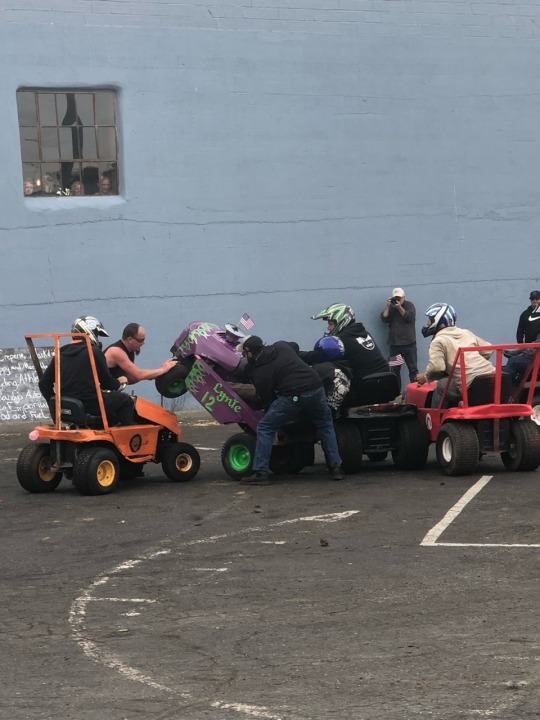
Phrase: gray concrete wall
(279, 155)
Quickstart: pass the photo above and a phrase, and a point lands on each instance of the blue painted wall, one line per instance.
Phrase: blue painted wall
(276, 159)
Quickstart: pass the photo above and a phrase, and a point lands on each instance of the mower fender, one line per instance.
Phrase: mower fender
(157, 414)
(418, 394)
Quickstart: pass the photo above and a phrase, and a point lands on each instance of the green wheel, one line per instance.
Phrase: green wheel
(237, 455)
(173, 383)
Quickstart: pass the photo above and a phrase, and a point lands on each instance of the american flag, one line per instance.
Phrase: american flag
(246, 321)
(396, 360)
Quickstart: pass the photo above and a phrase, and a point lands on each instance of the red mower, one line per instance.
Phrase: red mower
(493, 417)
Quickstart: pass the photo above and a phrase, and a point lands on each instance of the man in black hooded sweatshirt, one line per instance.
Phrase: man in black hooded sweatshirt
(77, 380)
(361, 351)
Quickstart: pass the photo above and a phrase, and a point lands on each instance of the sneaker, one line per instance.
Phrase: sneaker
(259, 477)
(336, 473)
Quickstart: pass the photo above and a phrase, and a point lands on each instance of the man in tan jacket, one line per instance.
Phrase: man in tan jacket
(447, 339)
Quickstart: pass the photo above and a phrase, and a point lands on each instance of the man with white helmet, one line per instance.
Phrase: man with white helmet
(447, 339)
(77, 379)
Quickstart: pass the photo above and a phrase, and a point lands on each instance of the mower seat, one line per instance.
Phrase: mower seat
(377, 388)
(482, 389)
(72, 411)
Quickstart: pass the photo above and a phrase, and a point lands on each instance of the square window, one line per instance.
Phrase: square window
(68, 141)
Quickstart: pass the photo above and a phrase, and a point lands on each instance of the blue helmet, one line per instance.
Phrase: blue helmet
(332, 347)
(441, 316)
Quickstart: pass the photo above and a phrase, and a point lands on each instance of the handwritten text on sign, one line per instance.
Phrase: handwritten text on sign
(20, 398)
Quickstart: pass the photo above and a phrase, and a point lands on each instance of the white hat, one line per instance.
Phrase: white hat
(398, 292)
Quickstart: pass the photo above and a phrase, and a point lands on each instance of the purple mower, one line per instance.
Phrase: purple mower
(211, 369)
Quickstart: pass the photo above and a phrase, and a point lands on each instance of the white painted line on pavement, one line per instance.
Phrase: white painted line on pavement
(504, 545)
(96, 651)
(451, 515)
(430, 539)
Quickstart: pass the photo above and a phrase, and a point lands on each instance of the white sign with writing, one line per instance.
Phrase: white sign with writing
(20, 399)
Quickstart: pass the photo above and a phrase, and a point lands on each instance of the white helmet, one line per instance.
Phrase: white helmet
(440, 315)
(90, 326)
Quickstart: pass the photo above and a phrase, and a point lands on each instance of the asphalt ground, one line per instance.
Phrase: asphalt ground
(390, 595)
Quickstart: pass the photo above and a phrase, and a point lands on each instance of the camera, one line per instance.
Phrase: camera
(395, 300)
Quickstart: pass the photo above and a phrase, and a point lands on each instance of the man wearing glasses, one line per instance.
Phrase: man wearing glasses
(121, 356)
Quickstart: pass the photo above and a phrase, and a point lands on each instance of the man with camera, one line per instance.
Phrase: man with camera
(400, 315)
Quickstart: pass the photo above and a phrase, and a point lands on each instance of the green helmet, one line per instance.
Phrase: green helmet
(342, 315)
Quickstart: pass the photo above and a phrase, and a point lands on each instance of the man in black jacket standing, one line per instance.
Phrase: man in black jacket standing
(529, 320)
(400, 315)
(286, 386)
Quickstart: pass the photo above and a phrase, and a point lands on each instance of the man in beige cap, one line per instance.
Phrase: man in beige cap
(400, 315)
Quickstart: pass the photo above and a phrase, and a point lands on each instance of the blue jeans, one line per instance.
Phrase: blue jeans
(517, 366)
(313, 404)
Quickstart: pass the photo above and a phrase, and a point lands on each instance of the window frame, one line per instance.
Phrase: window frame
(60, 159)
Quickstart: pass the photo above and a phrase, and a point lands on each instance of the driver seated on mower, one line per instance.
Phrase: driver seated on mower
(77, 379)
(447, 339)
(360, 350)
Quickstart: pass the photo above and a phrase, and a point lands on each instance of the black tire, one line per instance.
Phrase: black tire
(377, 456)
(237, 454)
(349, 440)
(96, 471)
(536, 408)
(173, 383)
(180, 462)
(34, 469)
(291, 458)
(412, 445)
(523, 454)
(458, 448)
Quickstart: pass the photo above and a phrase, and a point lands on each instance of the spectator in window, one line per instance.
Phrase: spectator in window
(77, 188)
(105, 185)
(48, 186)
(28, 188)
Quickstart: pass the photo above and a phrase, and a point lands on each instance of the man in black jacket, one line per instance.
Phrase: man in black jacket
(361, 351)
(529, 320)
(400, 315)
(77, 380)
(286, 386)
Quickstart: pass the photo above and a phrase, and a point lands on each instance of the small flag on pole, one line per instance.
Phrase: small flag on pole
(396, 360)
(246, 321)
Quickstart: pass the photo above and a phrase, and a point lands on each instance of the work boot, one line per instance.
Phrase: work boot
(336, 473)
(258, 477)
